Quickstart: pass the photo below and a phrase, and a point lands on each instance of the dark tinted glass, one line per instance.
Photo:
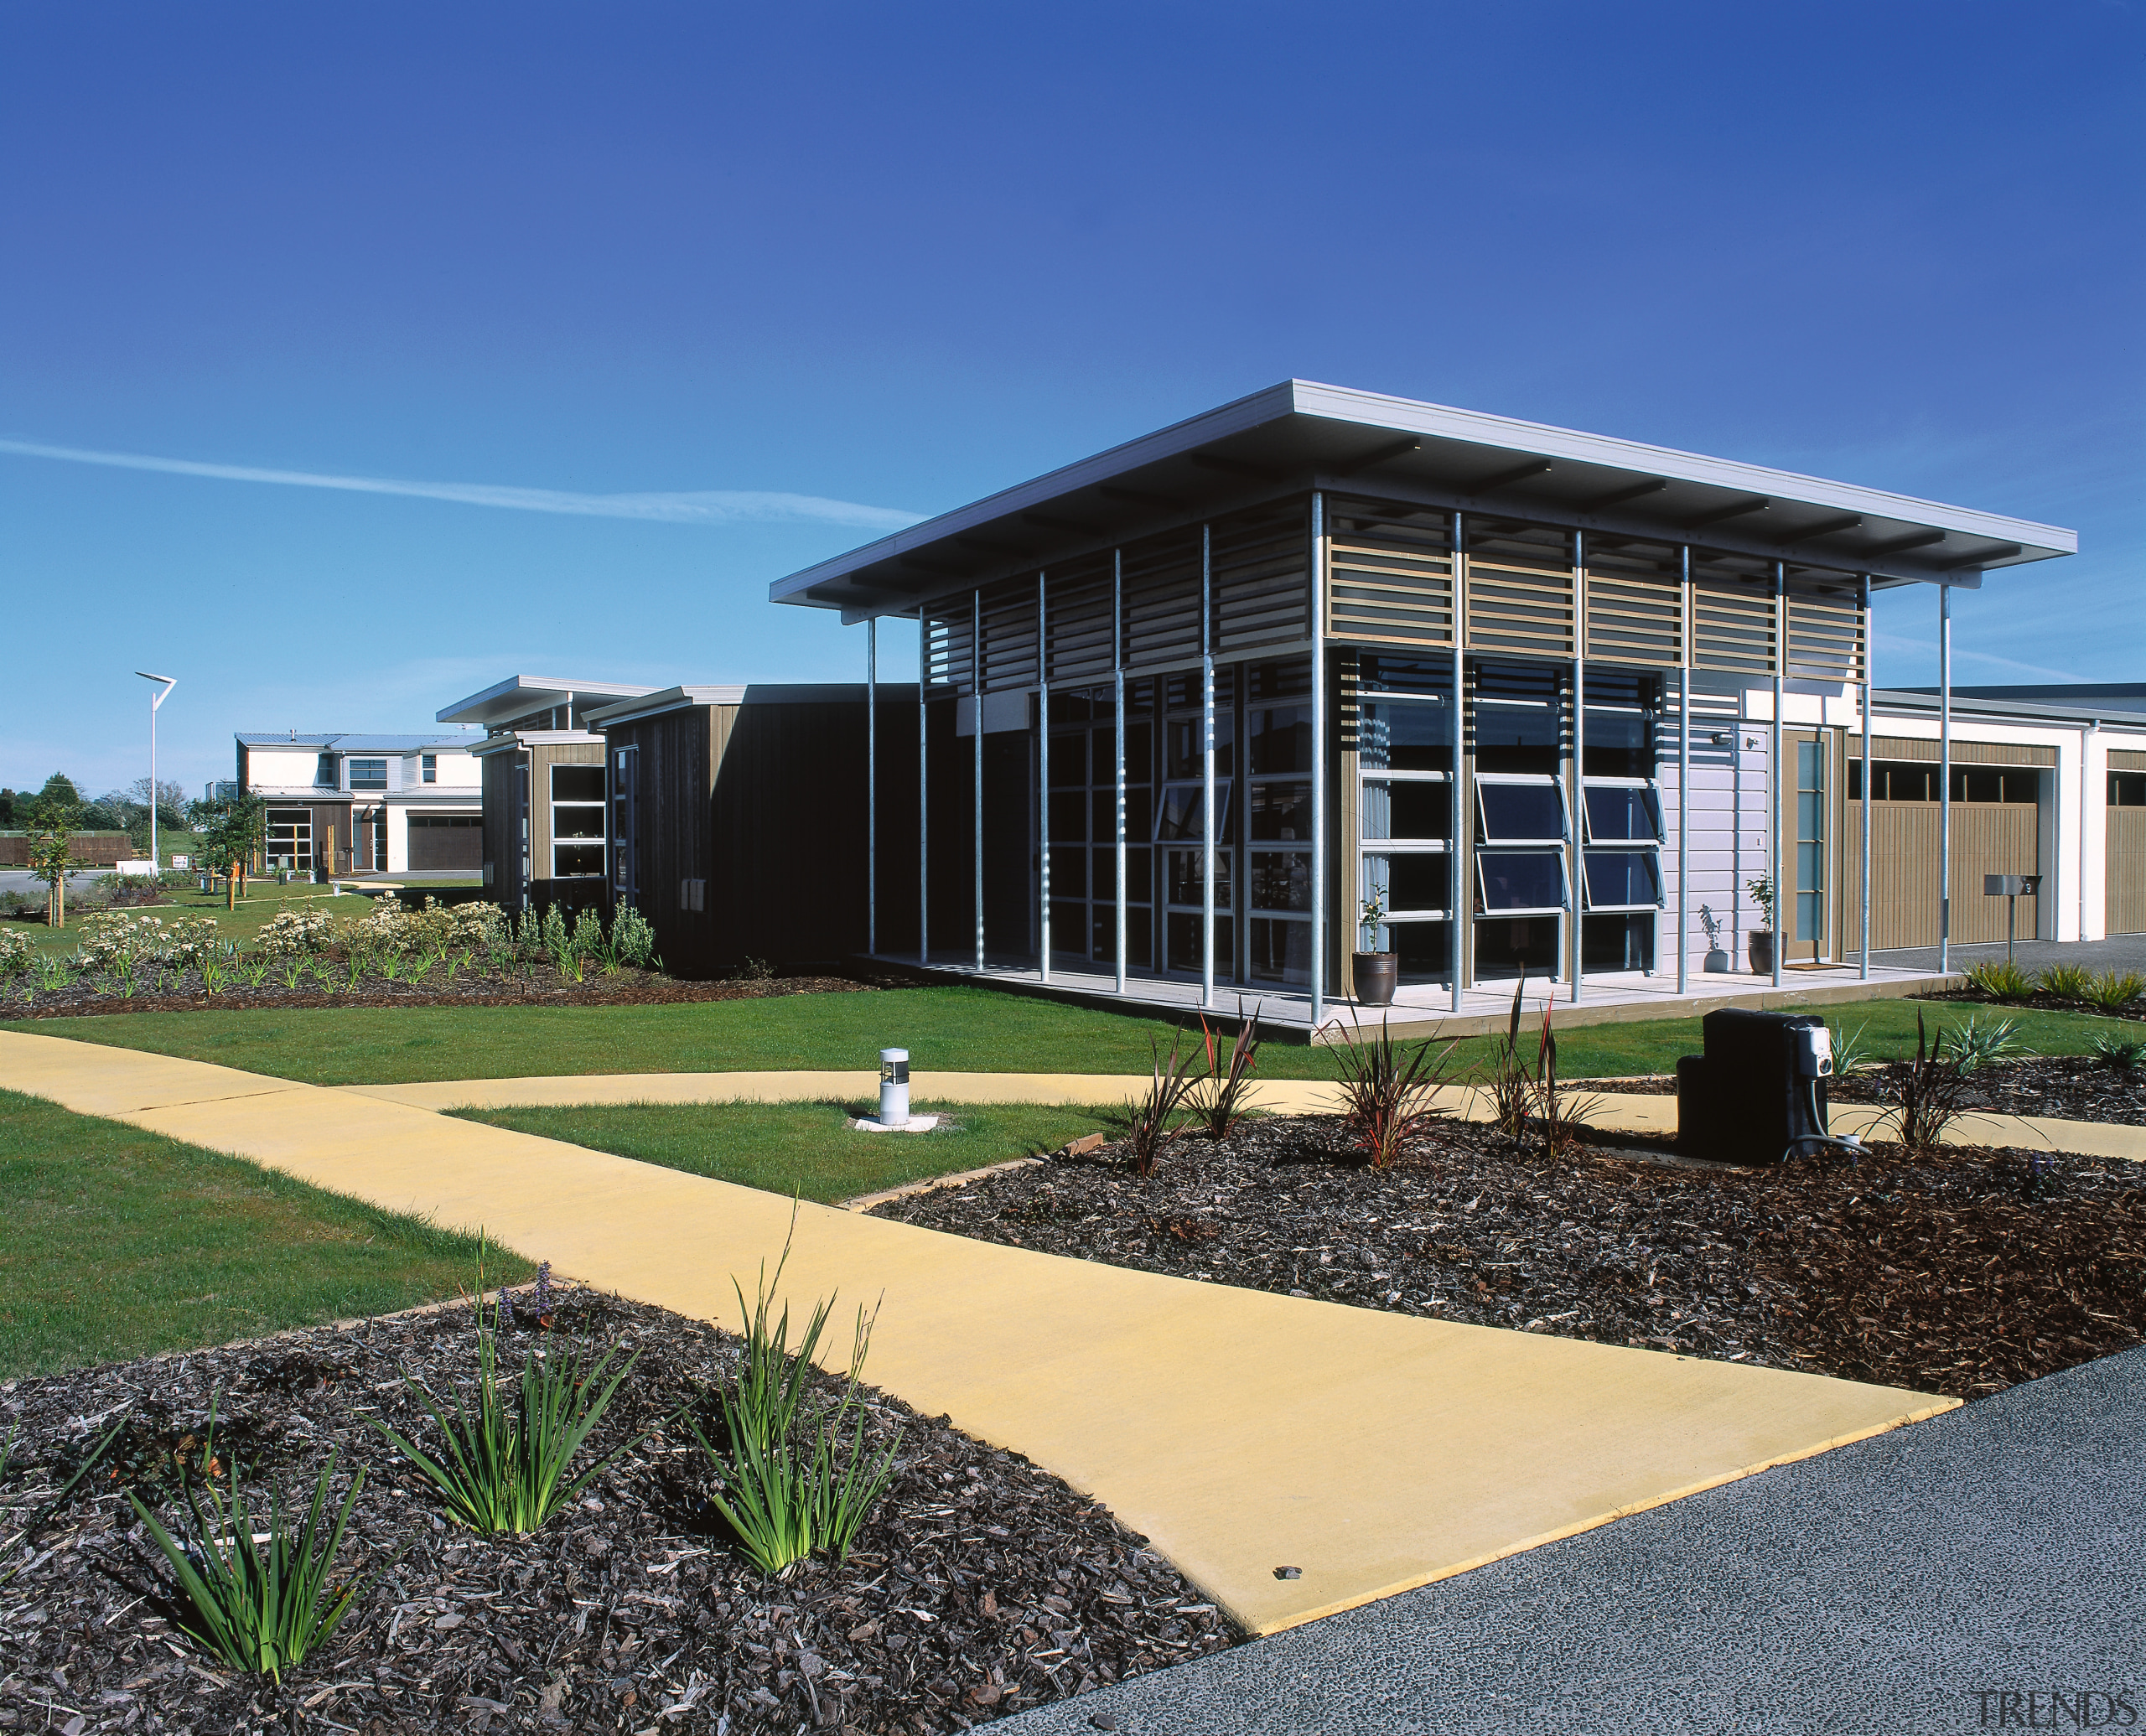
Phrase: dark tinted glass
(1405, 738)
(1281, 738)
(569, 860)
(1518, 812)
(1416, 882)
(1622, 815)
(1281, 812)
(1517, 880)
(576, 783)
(1407, 811)
(1069, 759)
(1622, 877)
(1516, 738)
(1280, 880)
(1281, 952)
(577, 822)
(1617, 745)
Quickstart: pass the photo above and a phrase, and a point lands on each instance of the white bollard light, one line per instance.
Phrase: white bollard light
(894, 1087)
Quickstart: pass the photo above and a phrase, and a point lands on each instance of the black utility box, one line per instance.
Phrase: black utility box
(1759, 1087)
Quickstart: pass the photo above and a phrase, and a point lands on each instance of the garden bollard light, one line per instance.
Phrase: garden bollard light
(894, 1087)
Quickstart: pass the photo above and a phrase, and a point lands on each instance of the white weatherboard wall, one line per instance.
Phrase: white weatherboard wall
(1729, 825)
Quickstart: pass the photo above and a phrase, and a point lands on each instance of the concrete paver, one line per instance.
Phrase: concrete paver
(1239, 1431)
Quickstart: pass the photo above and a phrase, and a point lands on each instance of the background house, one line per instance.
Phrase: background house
(342, 803)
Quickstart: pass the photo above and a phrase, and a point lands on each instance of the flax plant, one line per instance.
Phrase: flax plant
(258, 1613)
(1389, 1093)
(501, 1472)
(784, 1496)
(1153, 1118)
(1223, 1098)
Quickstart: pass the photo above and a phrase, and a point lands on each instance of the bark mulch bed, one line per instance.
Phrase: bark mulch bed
(2071, 1088)
(1963, 1273)
(542, 988)
(980, 1586)
(1975, 998)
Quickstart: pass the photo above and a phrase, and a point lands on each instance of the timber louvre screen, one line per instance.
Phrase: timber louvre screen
(1634, 606)
(1522, 596)
(1388, 582)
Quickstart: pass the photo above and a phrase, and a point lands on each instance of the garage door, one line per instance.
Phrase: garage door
(446, 840)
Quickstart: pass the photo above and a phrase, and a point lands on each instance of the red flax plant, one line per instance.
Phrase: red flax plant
(1221, 1099)
(1524, 1090)
(1152, 1119)
(1389, 1092)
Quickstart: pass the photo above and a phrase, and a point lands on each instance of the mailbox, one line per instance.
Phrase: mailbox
(2011, 885)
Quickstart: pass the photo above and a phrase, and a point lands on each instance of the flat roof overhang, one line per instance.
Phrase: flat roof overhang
(519, 695)
(1300, 435)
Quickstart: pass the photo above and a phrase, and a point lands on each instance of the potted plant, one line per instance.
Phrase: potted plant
(1759, 944)
(1376, 974)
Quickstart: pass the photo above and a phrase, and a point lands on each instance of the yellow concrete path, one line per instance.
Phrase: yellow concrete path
(1627, 1112)
(1241, 1432)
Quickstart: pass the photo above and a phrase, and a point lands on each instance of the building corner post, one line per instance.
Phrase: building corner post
(1118, 753)
(923, 789)
(1043, 780)
(975, 777)
(1575, 964)
(1207, 769)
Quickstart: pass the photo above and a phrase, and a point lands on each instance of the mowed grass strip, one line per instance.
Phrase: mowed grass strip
(116, 1243)
(956, 1028)
(807, 1149)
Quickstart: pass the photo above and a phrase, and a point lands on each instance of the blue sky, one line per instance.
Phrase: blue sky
(534, 259)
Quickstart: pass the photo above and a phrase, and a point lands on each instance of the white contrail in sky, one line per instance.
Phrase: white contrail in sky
(697, 506)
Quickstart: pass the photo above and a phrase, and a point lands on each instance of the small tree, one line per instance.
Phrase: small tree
(50, 816)
(231, 829)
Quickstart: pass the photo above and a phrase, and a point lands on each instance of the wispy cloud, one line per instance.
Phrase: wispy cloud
(696, 506)
(1896, 642)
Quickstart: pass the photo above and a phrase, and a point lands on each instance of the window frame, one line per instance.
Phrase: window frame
(1653, 859)
(353, 761)
(1488, 913)
(1646, 786)
(600, 804)
(1486, 840)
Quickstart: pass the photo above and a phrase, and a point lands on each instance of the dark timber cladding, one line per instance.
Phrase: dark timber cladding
(1188, 705)
(736, 819)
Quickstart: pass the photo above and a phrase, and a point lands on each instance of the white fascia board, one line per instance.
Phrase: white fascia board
(1341, 404)
(530, 686)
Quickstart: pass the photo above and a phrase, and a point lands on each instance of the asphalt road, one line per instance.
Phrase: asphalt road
(1879, 1588)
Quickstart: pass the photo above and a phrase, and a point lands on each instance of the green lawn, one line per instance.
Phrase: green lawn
(806, 1149)
(116, 1243)
(950, 1029)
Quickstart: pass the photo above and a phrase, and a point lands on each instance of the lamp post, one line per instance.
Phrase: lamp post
(156, 701)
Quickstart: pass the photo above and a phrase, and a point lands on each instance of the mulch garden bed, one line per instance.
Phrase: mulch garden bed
(2040, 1001)
(1962, 1273)
(2071, 1088)
(980, 1586)
(543, 989)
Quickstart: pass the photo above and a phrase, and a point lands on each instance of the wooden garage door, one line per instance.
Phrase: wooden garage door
(2127, 844)
(1996, 830)
(446, 840)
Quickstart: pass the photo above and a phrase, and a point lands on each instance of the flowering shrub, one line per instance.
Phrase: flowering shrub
(123, 941)
(16, 954)
(298, 933)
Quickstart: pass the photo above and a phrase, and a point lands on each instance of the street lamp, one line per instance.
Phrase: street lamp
(156, 700)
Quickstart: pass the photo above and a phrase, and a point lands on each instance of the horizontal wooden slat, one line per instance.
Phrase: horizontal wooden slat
(1009, 636)
(1527, 608)
(1162, 598)
(2124, 760)
(1635, 620)
(1825, 639)
(1732, 628)
(1964, 753)
(1258, 577)
(1078, 607)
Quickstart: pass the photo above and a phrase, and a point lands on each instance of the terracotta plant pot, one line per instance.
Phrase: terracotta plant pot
(1759, 946)
(1376, 976)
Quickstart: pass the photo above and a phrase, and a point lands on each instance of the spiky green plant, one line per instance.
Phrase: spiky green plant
(1976, 1045)
(2067, 982)
(2113, 991)
(2001, 980)
(792, 1487)
(2124, 1054)
(1389, 1090)
(506, 1470)
(1850, 1048)
(257, 1612)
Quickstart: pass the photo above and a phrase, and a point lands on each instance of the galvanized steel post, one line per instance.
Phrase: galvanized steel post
(1862, 595)
(1043, 777)
(1318, 760)
(1578, 895)
(872, 785)
(1117, 713)
(923, 793)
(1684, 775)
(976, 698)
(1459, 930)
(1207, 771)
(1774, 787)
(1944, 777)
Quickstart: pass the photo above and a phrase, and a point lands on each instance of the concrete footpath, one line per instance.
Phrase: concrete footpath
(1629, 1112)
(1241, 1432)
(1902, 1585)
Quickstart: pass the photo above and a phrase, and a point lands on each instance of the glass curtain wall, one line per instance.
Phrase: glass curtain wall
(1278, 834)
(1180, 822)
(1083, 824)
(1405, 767)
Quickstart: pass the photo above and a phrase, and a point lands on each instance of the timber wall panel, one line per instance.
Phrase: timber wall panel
(2124, 760)
(1987, 838)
